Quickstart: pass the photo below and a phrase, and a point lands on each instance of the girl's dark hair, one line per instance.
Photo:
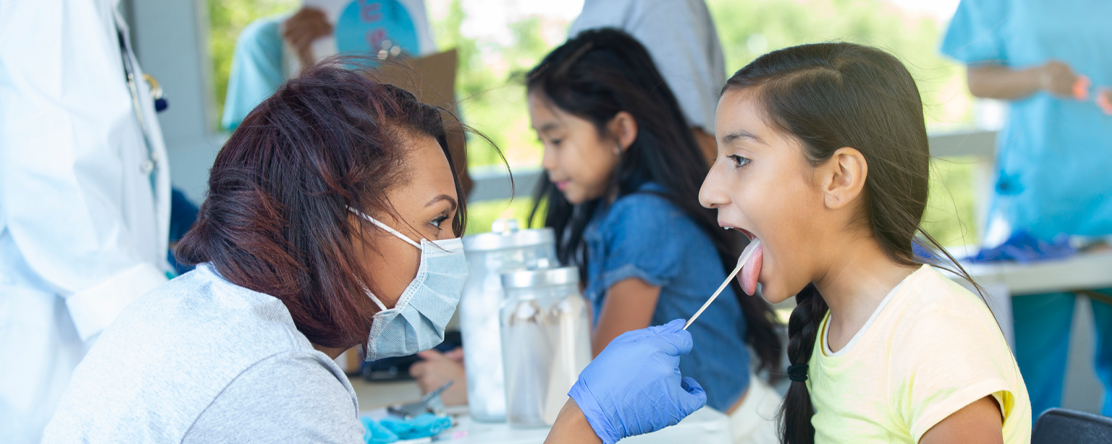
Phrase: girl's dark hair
(595, 76)
(276, 216)
(834, 95)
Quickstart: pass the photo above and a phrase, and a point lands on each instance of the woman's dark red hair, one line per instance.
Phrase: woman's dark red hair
(276, 217)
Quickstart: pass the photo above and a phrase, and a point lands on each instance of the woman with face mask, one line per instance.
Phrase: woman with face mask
(332, 220)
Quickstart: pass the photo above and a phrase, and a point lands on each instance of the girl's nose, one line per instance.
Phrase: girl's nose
(548, 160)
(712, 194)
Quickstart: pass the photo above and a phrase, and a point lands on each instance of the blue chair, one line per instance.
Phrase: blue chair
(1061, 426)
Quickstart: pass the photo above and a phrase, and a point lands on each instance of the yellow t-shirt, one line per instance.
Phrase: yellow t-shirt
(930, 350)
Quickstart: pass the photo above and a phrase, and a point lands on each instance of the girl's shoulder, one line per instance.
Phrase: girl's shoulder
(946, 351)
(930, 306)
(647, 224)
(648, 207)
(928, 290)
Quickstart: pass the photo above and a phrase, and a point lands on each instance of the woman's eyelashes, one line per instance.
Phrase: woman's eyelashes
(439, 220)
(738, 160)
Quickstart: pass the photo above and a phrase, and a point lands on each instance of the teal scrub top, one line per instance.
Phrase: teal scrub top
(258, 68)
(1054, 156)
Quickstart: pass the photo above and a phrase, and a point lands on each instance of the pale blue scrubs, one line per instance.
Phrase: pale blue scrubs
(258, 68)
(1054, 157)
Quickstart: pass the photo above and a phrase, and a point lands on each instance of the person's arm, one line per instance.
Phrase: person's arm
(948, 369)
(301, 29)
(979, 422)
(629, 305)
(288, 397)
(572, 427)
(70, 150)
(992, 81)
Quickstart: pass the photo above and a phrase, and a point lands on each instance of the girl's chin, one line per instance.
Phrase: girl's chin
(773, 294)
(774, 299)
(576, 196)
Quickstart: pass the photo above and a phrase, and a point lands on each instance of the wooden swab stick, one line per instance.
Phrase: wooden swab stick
(744, 258)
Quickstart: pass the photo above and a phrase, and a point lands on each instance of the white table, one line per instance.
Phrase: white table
(705, 426)
(1085, 271)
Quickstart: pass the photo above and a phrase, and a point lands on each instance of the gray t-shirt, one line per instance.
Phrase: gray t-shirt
(682, 41)
(200, 359)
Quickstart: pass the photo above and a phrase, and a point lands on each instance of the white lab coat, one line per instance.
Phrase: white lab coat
(84, 199)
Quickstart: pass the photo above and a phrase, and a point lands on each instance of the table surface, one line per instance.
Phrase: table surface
(705, 426)
(1085, 271)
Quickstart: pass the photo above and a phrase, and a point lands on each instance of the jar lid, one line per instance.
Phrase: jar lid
(506, 234)
(540, 278)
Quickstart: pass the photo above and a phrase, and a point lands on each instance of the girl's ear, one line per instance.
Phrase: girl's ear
(843, 177)
(623, 127)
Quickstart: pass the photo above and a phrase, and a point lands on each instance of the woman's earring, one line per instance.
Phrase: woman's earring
(618, 149)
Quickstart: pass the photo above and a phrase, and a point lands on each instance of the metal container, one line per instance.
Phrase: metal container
(545, 342)
(489, 255)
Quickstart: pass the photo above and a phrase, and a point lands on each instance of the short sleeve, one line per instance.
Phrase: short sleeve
(285, 398)
(642, 237)
(257, 69)
(975, 34)
(945, 361)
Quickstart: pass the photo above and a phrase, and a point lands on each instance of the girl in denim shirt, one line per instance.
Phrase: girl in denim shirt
(621, 192)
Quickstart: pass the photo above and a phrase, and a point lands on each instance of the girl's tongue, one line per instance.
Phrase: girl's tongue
(751, 270)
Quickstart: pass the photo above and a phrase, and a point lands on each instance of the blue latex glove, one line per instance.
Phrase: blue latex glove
(375, 433)
(1024, 248)
(634, 386)
(421, 426)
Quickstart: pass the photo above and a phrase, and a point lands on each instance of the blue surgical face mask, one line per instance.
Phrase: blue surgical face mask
(417, 321)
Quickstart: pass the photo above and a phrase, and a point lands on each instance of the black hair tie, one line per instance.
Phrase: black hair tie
(797, 372)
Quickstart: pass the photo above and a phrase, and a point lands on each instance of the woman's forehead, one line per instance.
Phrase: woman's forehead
(428, 171)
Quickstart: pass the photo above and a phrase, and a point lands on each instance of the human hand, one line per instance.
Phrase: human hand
(437, 369)
(634, 386)
(1057, 78)
(1104, 100)
(302, 28)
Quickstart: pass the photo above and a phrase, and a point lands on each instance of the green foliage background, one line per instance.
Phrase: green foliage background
(492, 98)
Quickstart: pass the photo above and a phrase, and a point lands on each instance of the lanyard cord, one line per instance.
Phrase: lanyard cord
(133, 87)
(129, 76)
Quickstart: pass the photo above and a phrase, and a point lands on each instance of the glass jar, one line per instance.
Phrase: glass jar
(545, 342)
(489, 255)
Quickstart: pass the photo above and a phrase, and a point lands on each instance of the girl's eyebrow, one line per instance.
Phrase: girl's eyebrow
(740, 134)
(547, 127)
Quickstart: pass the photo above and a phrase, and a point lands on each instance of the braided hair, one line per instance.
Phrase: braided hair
(834, 95)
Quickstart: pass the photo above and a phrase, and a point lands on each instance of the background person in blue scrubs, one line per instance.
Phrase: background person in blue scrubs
(1053, 155)
(258, 65)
